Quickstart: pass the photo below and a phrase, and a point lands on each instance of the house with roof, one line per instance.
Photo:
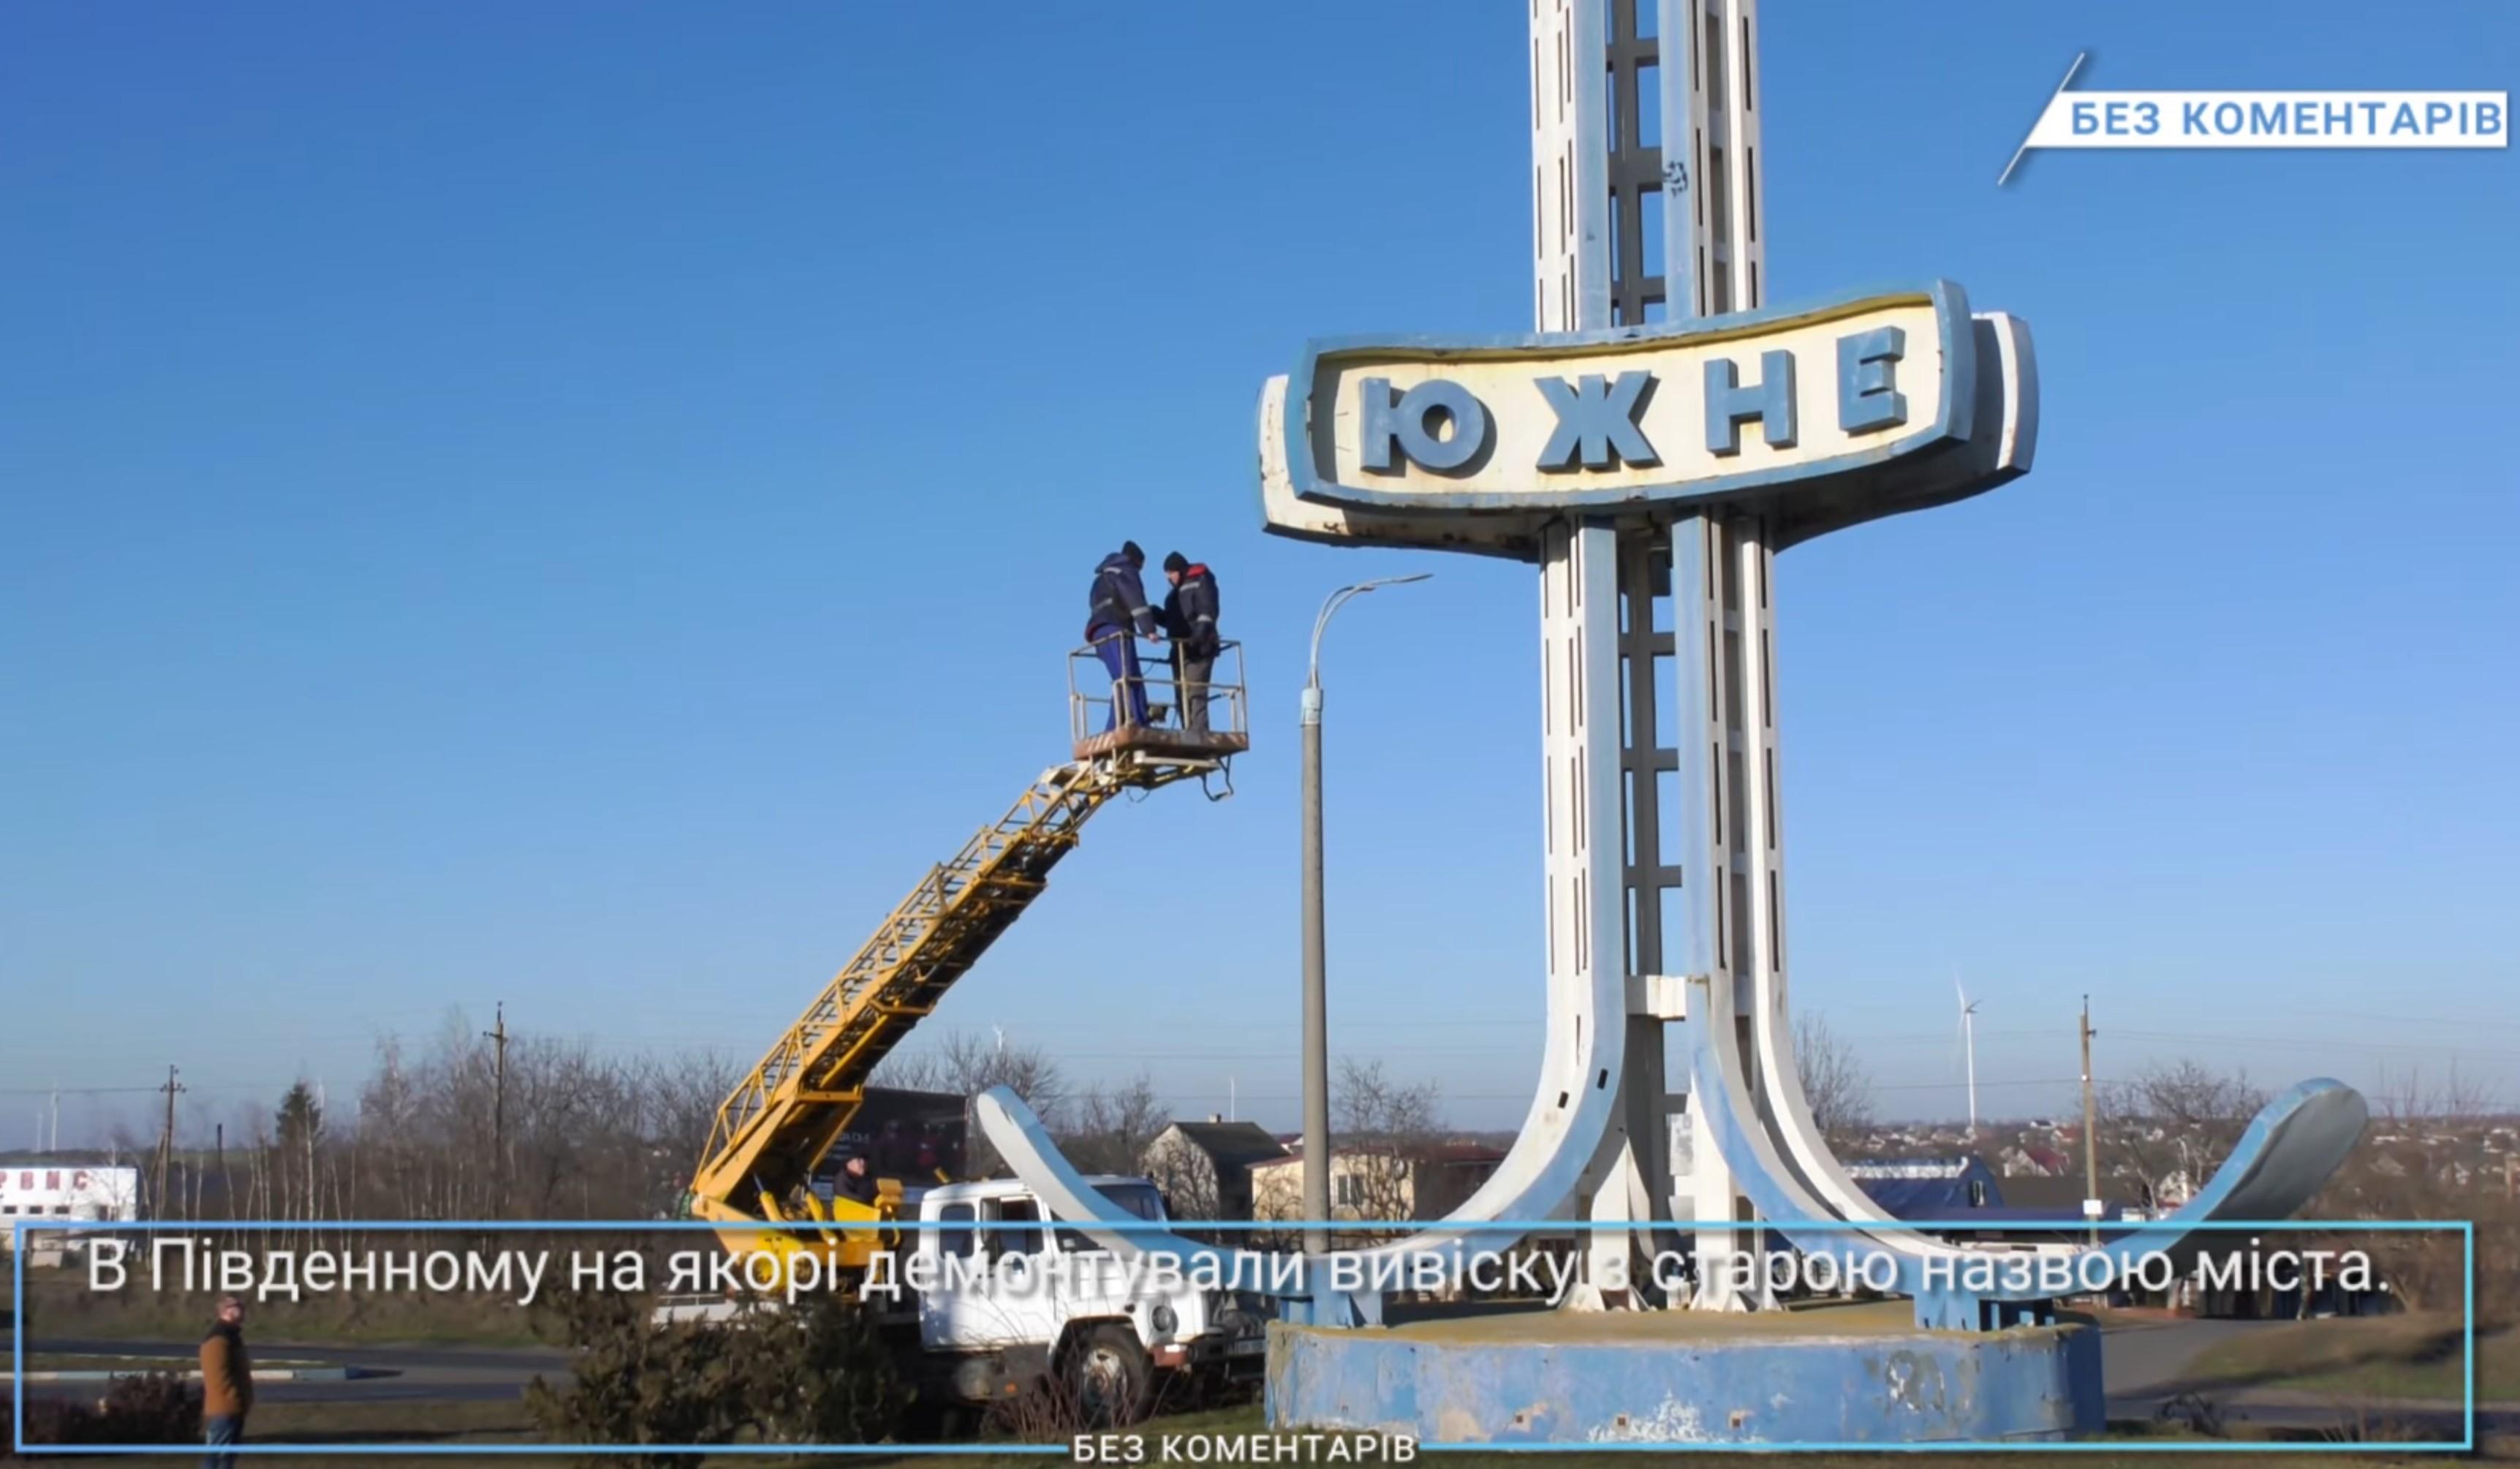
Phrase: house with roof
(1373, 1182)
(1928, 1188)
(1204, 1168)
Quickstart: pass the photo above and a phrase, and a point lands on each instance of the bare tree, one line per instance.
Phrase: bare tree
(1834, 1084)
(2174, 1121)
(388, 1120)
(968, 1064)
(964, 1061)
(572, 1130)
(2419, 1161)
(1186, 1178)
(588, 1137)
(679, 1095)
(913, 1070)
(1381, 1131)
(1107, 1130)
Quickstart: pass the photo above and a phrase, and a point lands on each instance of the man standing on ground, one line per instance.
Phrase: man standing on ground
(1190, 622)
(1119, 617)
(227, 1384)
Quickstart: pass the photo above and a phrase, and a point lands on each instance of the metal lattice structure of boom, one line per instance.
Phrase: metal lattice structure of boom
(796, 1101)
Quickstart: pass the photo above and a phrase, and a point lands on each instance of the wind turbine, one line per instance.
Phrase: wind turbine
(1968, 1045)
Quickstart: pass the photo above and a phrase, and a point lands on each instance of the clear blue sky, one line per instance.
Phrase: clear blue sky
(579, 505)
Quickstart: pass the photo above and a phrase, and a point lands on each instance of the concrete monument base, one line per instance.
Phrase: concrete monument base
(1859, 1373)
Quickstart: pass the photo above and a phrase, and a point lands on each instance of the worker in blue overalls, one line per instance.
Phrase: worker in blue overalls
(1120, 617)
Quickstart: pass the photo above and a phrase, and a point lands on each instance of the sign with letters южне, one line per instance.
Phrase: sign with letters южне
(1742, 406)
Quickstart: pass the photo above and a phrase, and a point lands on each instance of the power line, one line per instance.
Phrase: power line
(2464, 1023)
(1982, 1085)
(1447, 1095)
(2280, 1042)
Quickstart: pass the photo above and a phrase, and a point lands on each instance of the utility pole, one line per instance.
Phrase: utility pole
(2090, 1132)
(219, 1145)
(166, 1143)
(499, 1116)
(1317, 1002)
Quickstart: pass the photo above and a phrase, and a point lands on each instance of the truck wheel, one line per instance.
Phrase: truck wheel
(934, 1420)
(920, 1423)
(1110, 1377)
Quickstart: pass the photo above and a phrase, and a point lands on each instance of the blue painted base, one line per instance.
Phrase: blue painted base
(1667, 1377)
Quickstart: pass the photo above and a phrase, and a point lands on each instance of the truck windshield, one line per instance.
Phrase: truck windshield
(1139, 1199)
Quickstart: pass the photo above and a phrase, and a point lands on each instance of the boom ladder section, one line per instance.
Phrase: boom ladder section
(794, 1105)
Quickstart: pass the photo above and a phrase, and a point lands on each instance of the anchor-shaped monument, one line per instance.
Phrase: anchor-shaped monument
(1654, 466)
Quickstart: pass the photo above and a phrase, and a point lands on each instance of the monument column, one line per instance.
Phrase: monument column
(1645, 198)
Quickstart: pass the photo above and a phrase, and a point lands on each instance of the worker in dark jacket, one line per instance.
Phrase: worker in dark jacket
(1119, 617)
(227, 1384)
(856, 1181)
(1190, 622)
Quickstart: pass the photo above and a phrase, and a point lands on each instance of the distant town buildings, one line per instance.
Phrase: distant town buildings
(1204, 1168)
(1216, 1170)
(1380, 1183)
(58, 1190)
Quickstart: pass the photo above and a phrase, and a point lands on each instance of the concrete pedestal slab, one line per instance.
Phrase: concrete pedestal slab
(1847, 1375)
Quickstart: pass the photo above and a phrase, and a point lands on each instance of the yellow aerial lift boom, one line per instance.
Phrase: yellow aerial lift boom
(774, 1130)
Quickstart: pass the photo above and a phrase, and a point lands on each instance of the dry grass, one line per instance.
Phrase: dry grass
(2419, 1356)
(59, 1305)
(454, 1425)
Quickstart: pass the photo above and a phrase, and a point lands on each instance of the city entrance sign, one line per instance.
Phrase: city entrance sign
(1809, 418)
(1735, 409)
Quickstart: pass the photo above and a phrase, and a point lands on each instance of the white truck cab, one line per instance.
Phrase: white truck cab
(998, 1300)
(1009, 1299)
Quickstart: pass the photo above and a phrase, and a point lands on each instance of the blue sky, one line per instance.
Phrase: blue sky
(579, 505)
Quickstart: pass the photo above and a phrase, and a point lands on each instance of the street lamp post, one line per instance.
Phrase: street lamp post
(1316, 1028)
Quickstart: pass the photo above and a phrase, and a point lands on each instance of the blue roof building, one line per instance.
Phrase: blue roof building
(1929, 1188)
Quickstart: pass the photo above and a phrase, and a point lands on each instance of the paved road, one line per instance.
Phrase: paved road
(402, 1373)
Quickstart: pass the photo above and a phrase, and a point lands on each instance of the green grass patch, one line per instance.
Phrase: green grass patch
(59, 1305)
(2417, 1356)
(351, 1424)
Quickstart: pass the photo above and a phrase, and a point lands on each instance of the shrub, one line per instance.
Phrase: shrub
(820, 1372)
(144, 1407)
(832, 1377)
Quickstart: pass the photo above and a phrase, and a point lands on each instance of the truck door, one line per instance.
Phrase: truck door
(999, 1292)
(1020, 1278)
(953, 1247)
(1098, 1284)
